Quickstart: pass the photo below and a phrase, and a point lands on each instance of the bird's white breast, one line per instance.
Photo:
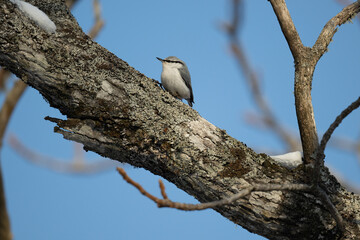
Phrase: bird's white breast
(173, 82)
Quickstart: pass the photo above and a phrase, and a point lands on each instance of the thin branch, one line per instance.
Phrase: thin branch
(330, 206)
(137, 185)
(288, 27)
(324, 39)
(162, 189)
(166, 202)
(201, 206)
(333, 126)
(319, 160)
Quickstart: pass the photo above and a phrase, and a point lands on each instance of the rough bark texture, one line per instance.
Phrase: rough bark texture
(119, 113)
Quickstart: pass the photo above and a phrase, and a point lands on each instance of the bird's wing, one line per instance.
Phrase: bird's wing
(184, 72)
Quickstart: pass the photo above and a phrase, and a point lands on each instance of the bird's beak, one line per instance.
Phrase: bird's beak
(160, 59)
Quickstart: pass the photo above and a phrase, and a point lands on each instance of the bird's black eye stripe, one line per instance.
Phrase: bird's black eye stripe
(171, 61)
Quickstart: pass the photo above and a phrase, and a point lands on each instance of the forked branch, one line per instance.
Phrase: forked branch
(166, 202)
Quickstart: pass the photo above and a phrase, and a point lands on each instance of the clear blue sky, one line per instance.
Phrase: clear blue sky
(45, 205)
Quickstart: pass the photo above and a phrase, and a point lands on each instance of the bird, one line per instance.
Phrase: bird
(175, 78)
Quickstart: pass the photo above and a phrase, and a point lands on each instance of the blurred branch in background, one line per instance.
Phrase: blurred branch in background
(252, 79)
(77, 166)
(70, 3)
(4, 76)
(11, 99)
(9, 104)
(99, 22)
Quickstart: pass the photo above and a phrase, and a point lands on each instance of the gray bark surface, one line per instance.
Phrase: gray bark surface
(119, 113)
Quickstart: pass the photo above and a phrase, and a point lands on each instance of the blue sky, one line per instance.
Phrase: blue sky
(48, 205)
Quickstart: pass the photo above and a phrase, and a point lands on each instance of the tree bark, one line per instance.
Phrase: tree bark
(119, 113)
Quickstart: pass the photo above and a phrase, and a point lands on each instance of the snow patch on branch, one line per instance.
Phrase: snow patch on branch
(35, 14)
(289, 160)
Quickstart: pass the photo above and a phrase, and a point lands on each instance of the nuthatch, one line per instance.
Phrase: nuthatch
(175, 78)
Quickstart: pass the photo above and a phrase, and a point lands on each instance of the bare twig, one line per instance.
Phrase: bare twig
(162, 189)
(201, 206)
(336, 123)
(319, 157)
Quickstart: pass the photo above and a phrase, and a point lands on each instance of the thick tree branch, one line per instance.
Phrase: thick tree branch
(119, 113)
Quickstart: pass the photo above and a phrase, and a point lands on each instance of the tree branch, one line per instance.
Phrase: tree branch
(225, 201)
(327, 135)
(4, 75)
(116, 111)
(329, 30)
(99, 22)
(305, 62)
(10, 102)
(76, 166)
(288, 28)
